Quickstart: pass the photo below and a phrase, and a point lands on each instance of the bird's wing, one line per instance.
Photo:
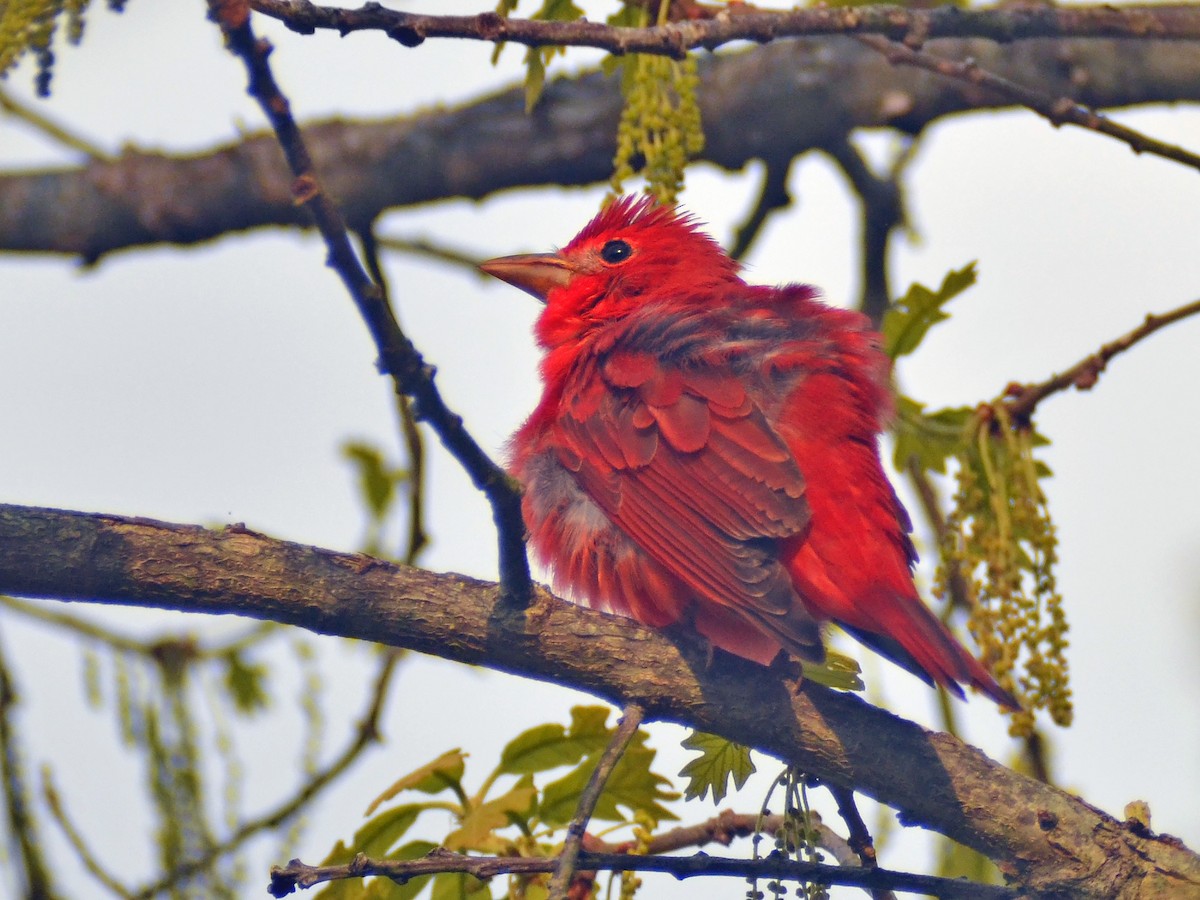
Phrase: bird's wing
(685, 463)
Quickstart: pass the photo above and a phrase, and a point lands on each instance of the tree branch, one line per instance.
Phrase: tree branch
(285, 880)
(1043, 837)
(901, 23)
(1056, 110)
(564, 871)
(1024, 399)
(365, 733)
(398, 356)
(770, 103)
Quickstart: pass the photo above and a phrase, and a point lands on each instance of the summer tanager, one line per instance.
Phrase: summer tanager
(706, 451)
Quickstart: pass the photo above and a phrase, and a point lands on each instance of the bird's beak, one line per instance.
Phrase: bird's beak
(534, 273)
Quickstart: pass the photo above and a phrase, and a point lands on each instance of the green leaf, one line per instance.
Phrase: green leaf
(246, 683)
(550, 746)
(535, 77)
(432, 778)
(590, 722)
(719, 760)
(957, 861)
(631, 785)
(558, 11)
(375, 839)
(930, 438)
(909, 319)
(536, 58)
(839, 671)
(457, 886)
(376, 478)
(482, 821)
(377, 836)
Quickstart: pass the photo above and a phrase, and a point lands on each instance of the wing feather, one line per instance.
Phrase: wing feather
(689, 467)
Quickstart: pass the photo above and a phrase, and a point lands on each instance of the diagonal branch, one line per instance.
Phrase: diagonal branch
(398, 357)
(933, 779)
(1057, 110)
(564, 871)
(1024, 399)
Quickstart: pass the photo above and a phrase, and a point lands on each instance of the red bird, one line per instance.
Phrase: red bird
(706, 451)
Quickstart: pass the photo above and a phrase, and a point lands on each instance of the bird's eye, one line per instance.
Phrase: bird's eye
(615, 252)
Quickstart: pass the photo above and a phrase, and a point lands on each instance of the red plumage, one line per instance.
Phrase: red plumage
(706, 451)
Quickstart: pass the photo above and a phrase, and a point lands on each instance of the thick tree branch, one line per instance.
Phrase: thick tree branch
(901, 23)
(770, 103)
(1046, 839)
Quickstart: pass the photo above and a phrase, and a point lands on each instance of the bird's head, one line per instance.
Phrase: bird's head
(634, 252)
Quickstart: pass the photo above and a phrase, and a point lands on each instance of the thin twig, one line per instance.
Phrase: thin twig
(75, 839)
(435, 251)
(1181, 22)
(772, 196)
(154, 648)
(414, 444)
(285, 880)
(1023, 399)
(860, 840)
(564, 871)
(52, 129)
(365, 734)
(397, 355)
(722, 829)
(33, 873)
(1057, 110)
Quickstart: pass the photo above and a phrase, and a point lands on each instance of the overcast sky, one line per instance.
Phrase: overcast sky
(216, 384)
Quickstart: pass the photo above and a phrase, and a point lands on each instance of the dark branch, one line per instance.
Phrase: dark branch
(899, 23)
(1057, 110)
(772, 196)
(882, 213)
(285, 880)
(398, 357)
(1024, 399)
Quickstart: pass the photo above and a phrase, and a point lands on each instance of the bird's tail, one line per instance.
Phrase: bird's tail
(921, 644)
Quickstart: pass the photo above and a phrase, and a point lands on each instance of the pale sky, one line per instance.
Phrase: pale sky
(215, 385)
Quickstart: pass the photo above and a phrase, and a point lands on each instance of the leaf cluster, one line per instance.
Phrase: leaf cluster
(29, 26)
(998, 547)
(660, 128)
(1002, 542)
(538, 58)
(515, 812)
